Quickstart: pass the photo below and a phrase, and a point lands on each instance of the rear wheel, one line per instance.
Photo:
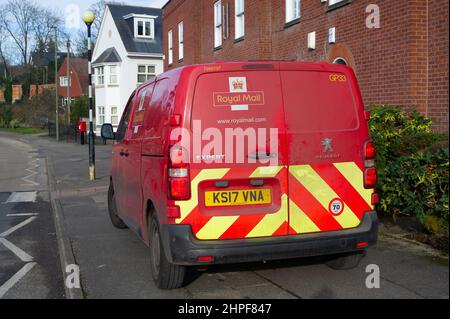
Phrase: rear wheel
(346, 261)
(112, 209)
(165, 274)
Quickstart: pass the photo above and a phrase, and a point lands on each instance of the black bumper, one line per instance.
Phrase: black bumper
(183, 248)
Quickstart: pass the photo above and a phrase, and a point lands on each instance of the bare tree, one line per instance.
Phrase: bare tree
(45, 25)
(28, 25)
(18, 21)
(3, 43)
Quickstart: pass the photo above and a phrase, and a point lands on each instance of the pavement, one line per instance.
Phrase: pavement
(115, 263)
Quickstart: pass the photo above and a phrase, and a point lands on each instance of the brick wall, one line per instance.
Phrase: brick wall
(438, 63)
(405, 62)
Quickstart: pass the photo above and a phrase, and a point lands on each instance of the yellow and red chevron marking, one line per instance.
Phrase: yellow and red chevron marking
(306, 193)
(313, 187)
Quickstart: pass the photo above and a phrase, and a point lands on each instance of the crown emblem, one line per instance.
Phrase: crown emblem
(238, 85)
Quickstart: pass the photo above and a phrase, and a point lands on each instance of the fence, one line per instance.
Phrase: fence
(70, 133)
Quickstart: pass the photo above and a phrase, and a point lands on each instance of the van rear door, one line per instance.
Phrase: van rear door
(326, 133)
(239, 176)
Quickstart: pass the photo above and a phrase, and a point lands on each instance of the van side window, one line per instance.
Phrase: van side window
(158, 111)
(121, 130)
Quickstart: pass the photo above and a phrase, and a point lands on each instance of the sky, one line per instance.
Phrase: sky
(77, 7)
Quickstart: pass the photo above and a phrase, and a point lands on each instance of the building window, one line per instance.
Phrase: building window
(63, 81)
(217, 24)
(144, 28)
(113, 75)
(332, 35)
(340, 60)
(100, 75)
(331, 2)
(145, 73)
(114, 116)
(239, 19)
(101, 115)
(180, 41)
(292, 10)
(312, 40)
(170, 44)
(226, 20)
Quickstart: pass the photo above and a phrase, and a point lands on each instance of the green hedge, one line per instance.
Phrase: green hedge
(412, 165)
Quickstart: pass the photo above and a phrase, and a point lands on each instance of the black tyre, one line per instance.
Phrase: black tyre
(165, 274)
(112, 209)
(345, 261)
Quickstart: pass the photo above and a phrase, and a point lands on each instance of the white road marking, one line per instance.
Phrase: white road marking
(21, 197)
(15, 279)
(21, 214)
(33, 173)
(13, 229)
(16, 250)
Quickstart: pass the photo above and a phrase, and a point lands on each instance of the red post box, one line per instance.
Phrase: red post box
(82, 130)
(82, 126)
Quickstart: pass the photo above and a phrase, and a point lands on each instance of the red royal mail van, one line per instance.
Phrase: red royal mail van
(240, 162)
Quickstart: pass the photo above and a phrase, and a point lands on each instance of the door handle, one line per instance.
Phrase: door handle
(124, 154)
(262, 155)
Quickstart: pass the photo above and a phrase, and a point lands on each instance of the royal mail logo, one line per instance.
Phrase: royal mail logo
(238, 98)
(238, 85)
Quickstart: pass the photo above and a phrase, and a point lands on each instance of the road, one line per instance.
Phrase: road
(115, 263)
(29, 261)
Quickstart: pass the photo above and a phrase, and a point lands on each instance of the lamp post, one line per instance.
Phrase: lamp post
(69, 83)
(56, 85)
(88, 18)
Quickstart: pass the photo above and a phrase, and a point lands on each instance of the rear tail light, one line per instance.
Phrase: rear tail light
(370, 177)
(370, 172)
(375, 199)
(179, 188)
(362, 244)
(205, 258)
(369, 150)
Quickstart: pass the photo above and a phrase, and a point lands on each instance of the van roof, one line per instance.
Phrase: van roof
(250, 65)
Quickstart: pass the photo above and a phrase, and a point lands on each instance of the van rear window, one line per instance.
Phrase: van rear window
(318, 102)
(238, 99)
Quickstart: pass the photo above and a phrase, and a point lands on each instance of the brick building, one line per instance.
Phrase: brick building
(402, 62)
(78, 79)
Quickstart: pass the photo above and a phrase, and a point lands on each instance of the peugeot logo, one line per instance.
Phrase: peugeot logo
(327, 147)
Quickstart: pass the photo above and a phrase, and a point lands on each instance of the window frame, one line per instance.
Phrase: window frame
(110, 83)
(180, 41)
(218, 24)
(170, 47)
(144, 34)
(100, 115)
(64, 81)
(99, 75)
(148, 75)
(115, 115)
(239, 19)
(293, 12)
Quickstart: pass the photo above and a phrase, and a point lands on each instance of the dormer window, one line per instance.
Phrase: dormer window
(144, 28)
(144, 25)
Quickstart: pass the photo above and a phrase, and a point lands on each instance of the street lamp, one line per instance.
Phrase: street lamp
(56, 86)
(88, 18)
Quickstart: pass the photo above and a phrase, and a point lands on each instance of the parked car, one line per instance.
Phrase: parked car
(189, 177)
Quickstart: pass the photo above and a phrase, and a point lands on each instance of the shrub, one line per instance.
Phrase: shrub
(412, 165)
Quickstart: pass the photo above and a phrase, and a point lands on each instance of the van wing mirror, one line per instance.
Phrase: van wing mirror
(107, 132)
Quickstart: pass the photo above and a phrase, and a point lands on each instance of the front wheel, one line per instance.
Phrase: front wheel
(346, 261)
(112, 209)
(165, 274)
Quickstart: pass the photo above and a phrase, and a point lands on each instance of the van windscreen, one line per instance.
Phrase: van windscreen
(318, 102)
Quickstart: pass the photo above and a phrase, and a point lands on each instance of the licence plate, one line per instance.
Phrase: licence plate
(238, 197)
